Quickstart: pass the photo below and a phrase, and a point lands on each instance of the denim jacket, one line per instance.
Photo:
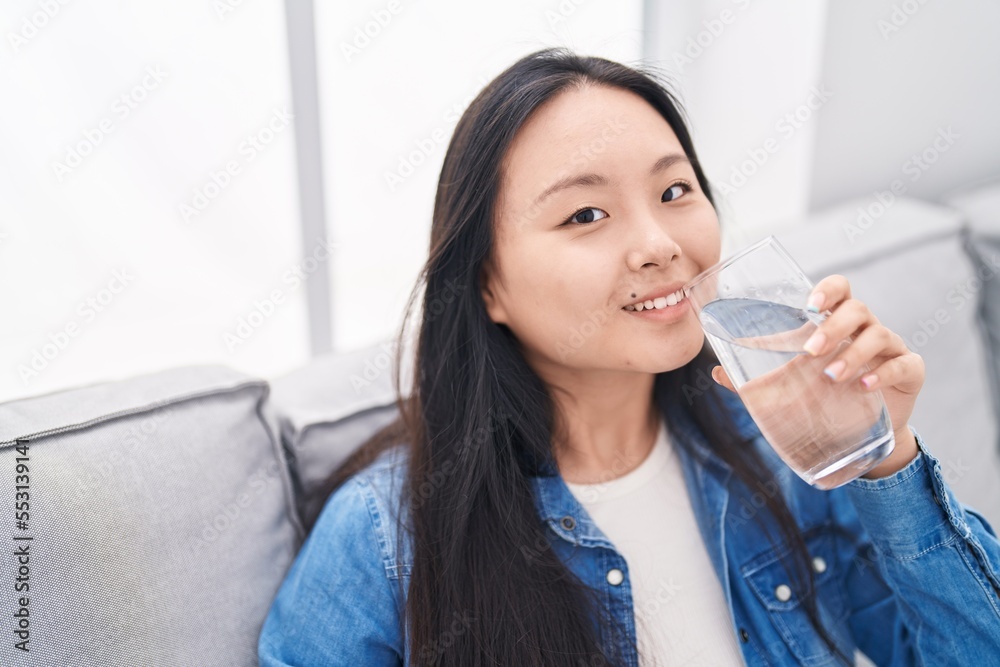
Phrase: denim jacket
(904, 572)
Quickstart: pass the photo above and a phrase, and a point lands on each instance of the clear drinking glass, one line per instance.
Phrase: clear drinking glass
(752, 307)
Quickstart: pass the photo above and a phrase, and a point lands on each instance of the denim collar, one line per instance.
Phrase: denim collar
(685, 428)
(705, 474)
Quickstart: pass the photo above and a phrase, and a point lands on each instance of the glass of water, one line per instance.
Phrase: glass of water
(752, 307)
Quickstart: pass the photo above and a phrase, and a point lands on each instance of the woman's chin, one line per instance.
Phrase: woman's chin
(676, 356)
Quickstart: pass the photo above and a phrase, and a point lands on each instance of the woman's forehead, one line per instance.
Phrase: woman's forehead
(580, 132)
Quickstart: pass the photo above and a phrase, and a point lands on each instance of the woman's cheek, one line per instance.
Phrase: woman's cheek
(588, 333)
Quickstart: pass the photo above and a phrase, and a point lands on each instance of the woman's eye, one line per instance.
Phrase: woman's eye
(587, 215)
(675, 191)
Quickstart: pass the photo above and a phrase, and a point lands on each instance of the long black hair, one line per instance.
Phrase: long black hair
(478, 421)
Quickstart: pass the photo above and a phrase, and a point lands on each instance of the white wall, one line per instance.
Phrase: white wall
(748, 73)
(393, 102)
(896, 74)
(905, 72)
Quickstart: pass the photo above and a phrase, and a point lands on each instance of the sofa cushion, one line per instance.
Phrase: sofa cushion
(980, 207)
(329, 407)
(908, 264)
(159, 509)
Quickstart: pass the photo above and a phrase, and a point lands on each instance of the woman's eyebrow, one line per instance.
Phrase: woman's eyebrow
(578, 180)
(572, 182)
(668, 161)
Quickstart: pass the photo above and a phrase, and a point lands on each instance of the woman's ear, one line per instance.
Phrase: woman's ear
(494, 308)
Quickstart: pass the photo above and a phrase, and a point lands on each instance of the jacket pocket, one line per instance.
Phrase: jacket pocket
(771, 584)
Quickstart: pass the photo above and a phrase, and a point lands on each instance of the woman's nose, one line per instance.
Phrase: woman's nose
(650, 241)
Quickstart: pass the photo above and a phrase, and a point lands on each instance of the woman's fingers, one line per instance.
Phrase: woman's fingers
(891, 363)
(873, 341)
(904, 373)
(829, 292)
(719, 375)
(845, 321)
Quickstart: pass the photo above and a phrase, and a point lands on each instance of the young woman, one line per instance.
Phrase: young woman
(564, 488)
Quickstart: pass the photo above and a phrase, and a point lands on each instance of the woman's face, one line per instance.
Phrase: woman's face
(598, 208)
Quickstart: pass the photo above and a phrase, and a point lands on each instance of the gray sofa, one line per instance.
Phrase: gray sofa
(164, 510)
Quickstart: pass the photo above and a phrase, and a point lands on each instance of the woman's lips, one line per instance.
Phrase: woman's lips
(665, 314)
(665, 296)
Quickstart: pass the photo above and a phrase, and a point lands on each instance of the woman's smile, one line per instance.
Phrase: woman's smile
(664, 313)
(665, 304)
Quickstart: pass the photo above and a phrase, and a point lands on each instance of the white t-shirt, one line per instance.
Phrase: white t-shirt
(680, 608)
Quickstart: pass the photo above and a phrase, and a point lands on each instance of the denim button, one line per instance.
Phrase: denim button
(744, 635)
(819, 564)
(615, 576)
(783, 593)
(568, 523)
